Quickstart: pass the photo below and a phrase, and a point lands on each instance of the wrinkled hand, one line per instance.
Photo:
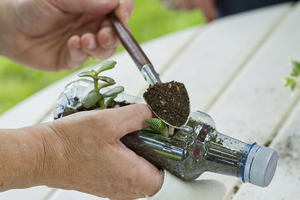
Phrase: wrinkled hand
(174, 188)
(208, 7)
(83, 152)
(57, 35)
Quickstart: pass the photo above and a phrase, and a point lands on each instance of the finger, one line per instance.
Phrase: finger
(110, 30)
(127, 119)
(146, 178)
(208, 8)
(76, 56)
(107, 38)
(90, 46)
(94, 7)
(124, 10)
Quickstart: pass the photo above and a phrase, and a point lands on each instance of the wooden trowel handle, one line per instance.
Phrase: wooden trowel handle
(128, 41)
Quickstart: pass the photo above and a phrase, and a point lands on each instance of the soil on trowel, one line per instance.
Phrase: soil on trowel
(169, 101)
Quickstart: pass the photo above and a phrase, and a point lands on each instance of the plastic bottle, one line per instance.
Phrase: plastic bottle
(199, 147)
(194, 149)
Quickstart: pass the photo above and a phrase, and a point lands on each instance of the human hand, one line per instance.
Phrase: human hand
(80, 152)
(55, 35)
(174, 188)
(208, 7)
(83, 152)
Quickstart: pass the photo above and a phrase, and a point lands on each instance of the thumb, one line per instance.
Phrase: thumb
(177, 189)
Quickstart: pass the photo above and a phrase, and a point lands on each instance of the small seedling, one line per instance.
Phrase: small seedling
(95, 96)
(294, 80)
(159, 127)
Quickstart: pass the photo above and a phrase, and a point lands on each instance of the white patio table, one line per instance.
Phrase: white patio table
(233, 70)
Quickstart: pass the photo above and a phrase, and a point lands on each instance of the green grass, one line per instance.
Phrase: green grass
(149, 20)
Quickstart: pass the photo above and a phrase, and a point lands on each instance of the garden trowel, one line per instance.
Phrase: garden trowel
(148, 71)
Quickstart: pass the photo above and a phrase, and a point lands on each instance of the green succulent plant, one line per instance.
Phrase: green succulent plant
(159, 127)
(294, 80)
(95, 95)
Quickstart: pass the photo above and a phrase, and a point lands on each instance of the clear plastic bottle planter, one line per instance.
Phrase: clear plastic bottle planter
(196, 148)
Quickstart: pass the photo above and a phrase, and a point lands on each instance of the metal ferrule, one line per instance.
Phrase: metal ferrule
(150, 74)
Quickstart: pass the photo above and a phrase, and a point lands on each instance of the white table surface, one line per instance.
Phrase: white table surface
(233, 70)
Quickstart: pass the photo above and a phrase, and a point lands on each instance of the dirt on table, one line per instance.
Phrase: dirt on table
(169, 101)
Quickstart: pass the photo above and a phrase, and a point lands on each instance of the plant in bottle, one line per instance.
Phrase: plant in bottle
(95, 95)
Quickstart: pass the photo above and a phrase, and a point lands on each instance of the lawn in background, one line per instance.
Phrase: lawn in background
(149, 20)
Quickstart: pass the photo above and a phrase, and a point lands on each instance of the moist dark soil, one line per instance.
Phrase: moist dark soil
(169, 101)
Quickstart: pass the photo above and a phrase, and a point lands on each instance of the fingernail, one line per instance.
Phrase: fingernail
(110, 40)
(91, 44)
(126, 16)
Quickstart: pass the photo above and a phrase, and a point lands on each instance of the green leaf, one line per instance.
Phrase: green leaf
(110, 99)
(90, 99)
(288, 81)
(103, 85)
(296, 68)
(158, 125)
(87, 74)
(114, 91)
(150, 130)
(293, 86)
(107, 79)
(106, 65)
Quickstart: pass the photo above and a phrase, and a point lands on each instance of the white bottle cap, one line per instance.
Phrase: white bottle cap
(260, 166)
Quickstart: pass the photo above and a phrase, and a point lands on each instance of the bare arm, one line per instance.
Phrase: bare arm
(80, 152)
(20, 156)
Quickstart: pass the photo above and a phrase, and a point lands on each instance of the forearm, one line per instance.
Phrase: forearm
(21, 158)
(80, 152)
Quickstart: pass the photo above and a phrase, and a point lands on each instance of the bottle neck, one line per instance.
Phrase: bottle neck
(225, 155)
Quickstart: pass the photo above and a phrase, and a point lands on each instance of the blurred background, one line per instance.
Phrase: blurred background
(18, 82)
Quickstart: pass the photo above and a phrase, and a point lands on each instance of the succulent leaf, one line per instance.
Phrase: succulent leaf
(110, 99)
(107, 79)
(87, 74)
(150, 130)
(90, 99)
(114, 91)
(158, 125)
(106, 65)
(103, 85)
